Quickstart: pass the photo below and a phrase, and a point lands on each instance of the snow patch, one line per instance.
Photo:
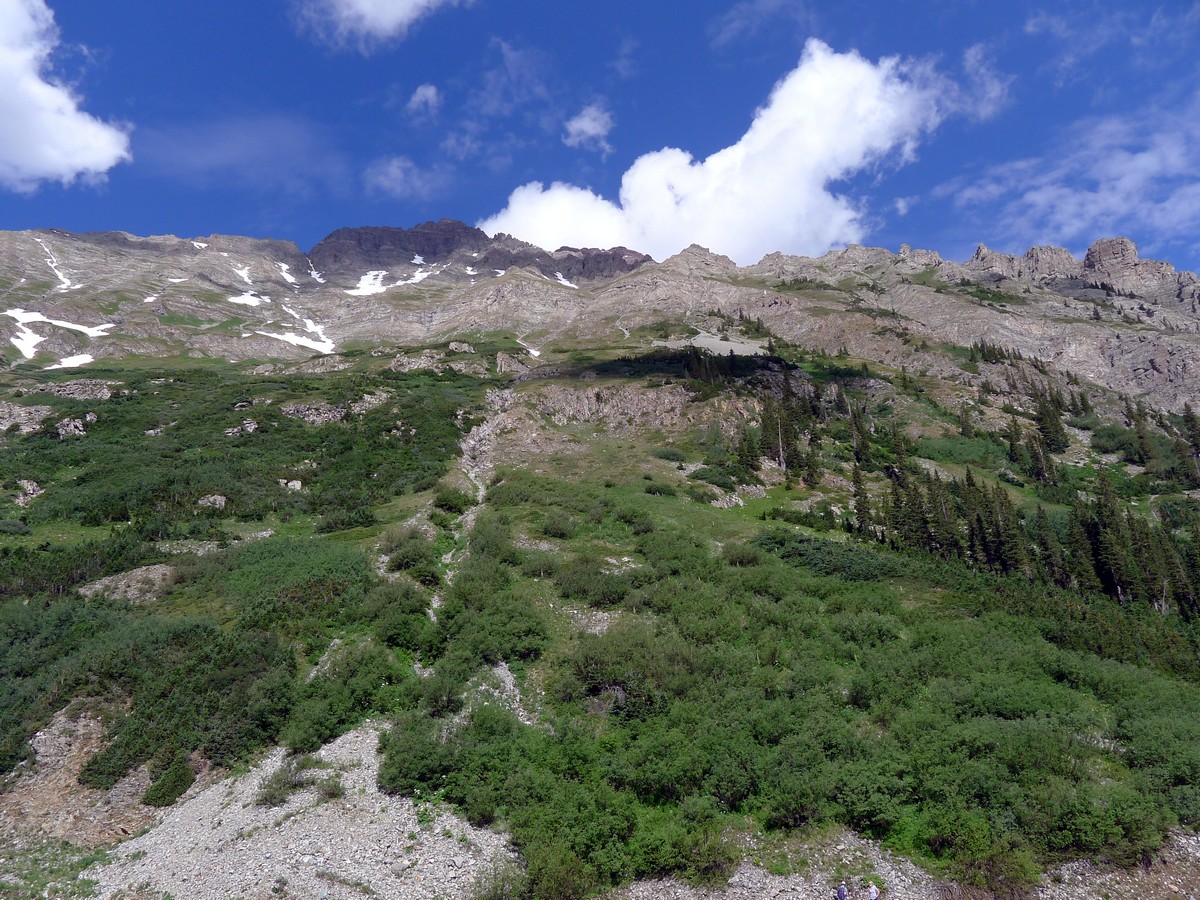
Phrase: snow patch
(26, 317)
(244, 273)
(316, 276)
(177, 280)
(26, 341)
(534, 353)
(416, 278)
(52, 262)
(471, 271)
(564, 282)
(371, 283)
(287, 276)
(500, 271)
(323, 344)
(249, 299)
(418, 259)
(151, 298)
(72, 362)
(199, 246)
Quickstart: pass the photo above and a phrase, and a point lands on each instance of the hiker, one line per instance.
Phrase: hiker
(872, 891)
(841, 892)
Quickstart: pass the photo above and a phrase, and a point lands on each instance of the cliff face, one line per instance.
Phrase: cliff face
(1128, 323)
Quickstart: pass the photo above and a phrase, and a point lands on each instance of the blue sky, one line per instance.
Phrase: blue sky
(745, 126)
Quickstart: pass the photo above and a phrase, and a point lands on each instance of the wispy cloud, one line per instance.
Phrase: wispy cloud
(261, 154)
(1150, 38)
(425, 101)
(834, 115)
(514, 84)
(625, 62)
(401, 178)
(986, 90)
(1137, 173)
(589, 129)
(366, 23)
(44, 134)
(750, 17)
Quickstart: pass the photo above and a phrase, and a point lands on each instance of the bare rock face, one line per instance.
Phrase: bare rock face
(697, 260)
(1036, 264)
(141, 585)
(349, 252)
(25, 418)
(1114, 263)
(69, 428)
(83, 389)
(1050, 263)
(27, 492)
(47, 797)
(316, 412)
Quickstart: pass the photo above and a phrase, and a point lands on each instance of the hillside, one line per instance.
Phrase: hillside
(867, 566)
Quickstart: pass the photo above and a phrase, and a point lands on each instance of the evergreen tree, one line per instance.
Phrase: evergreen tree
(1051, 559)
(860, 500)
(1081, 565)
(1050, 426)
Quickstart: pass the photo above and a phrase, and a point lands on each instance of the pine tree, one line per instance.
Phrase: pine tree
(1081, 565)
(1050, 425)
(860, 500)
(1191, 425)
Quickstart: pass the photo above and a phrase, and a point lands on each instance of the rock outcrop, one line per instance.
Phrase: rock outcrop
(349, 252)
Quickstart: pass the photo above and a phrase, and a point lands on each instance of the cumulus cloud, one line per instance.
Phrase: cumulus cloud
(400, 177)
(44, 135)
(367, 22)
(1133, 174)
(834, 115)
(426, 100)
(588, 129)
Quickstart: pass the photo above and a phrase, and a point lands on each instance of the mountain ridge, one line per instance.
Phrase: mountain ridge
(1129, 323)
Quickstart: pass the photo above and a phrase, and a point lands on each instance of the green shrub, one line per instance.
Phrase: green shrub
(453, 501)
(670, 454)
(172, 783)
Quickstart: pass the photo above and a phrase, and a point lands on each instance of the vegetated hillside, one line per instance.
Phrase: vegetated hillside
(737, 595)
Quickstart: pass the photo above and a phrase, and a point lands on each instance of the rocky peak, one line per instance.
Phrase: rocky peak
(356, 250)
(985, 261)
(1050, 262)
(697, 260)
(1114, 263)
(1036, 264)
(352, 251)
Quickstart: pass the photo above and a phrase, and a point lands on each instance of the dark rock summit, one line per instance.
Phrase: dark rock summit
(350, 252)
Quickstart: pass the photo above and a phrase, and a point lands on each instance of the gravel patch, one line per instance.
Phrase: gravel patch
(220, 843)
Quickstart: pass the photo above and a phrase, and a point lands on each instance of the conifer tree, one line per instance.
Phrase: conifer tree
(860, 500)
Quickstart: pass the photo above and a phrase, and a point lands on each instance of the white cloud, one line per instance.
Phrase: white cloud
(255, 153)
(1132, 174)
(426, 100)
(748, 18)
(515, 84)
(987, 90)
(400, 177)
(367, 22)
(44, 135)
(834, 115)
(1149, 38)
(625, 63)
(589, 128)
